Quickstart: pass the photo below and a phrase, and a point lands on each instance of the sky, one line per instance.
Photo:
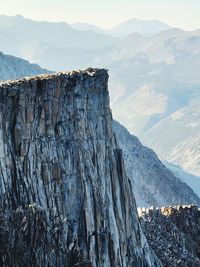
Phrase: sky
(107, 13)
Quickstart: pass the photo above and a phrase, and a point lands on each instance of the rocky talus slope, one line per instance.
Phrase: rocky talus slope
(174, 234)
(65, 199)
(153, 184)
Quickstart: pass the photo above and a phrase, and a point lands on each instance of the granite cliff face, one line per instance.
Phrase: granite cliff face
(153, 184)
(65, 199)
(174, 234)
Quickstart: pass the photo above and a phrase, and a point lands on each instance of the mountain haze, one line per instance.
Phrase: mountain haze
(77, 187)
(144, 27)
(87, 27)
(153, 79)
(40, 37)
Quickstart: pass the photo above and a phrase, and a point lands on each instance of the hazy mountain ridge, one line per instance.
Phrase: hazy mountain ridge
(144, 27)
(58, 34)
(87, 27)
(49, 36)
(12, 68)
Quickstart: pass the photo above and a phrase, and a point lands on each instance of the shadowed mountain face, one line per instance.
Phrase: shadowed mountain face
(65, 199)
(153, 183)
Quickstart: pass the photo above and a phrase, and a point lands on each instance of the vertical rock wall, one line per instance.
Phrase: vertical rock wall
(65, 199)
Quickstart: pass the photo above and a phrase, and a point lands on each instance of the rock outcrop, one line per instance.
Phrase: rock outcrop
(153, 183)
(65, 199)
(174, 234)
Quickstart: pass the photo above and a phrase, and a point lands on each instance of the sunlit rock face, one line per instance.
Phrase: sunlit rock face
(174, 234)
(65, 198)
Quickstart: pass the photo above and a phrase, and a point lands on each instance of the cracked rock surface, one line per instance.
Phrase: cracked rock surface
(65, 199)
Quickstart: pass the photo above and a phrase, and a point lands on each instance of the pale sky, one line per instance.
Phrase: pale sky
(107, 13)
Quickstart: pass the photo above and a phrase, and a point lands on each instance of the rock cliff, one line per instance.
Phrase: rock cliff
(174, 234)
(65, 199)
(153, 183)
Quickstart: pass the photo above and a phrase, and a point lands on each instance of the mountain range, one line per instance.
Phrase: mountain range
(71, 176)
(147, 28)
(153, 77)
(64, 162)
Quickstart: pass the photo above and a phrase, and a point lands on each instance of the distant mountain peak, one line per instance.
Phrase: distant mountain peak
(145, 27)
